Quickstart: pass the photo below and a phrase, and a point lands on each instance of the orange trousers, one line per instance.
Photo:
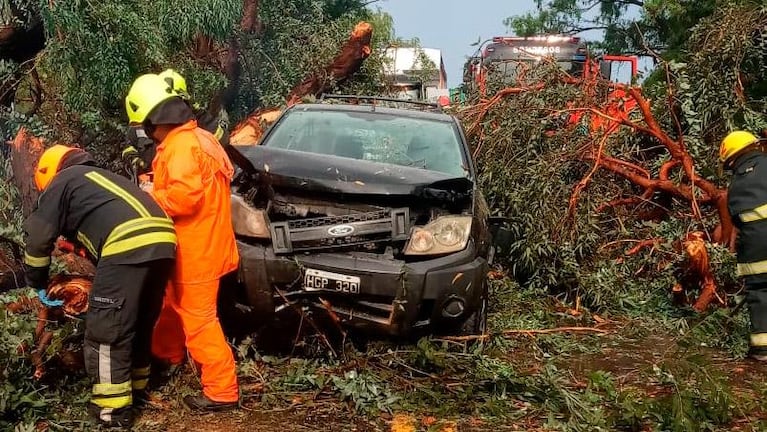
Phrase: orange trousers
(189, 317)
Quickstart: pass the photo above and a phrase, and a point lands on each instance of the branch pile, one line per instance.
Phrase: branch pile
(73, 290)
(600, 165)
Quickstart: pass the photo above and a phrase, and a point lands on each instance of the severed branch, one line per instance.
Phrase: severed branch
(528, 332)
(348, 61)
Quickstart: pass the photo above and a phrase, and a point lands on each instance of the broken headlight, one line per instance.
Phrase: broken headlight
(248, 220)
(442, 235)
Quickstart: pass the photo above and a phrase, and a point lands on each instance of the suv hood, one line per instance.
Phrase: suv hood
(324, 173)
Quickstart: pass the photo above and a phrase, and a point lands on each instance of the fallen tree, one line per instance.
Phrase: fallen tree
(537, 144)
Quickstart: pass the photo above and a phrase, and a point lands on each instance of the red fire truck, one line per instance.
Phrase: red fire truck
(505, 56)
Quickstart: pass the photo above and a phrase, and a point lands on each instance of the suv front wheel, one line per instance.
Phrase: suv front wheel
(476, 324)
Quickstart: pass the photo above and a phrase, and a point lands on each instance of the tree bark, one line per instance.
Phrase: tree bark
(345, 64)
(231, 67)
(25, 152)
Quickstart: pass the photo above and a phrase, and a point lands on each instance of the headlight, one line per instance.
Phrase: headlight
(442, 235)
(247, 220)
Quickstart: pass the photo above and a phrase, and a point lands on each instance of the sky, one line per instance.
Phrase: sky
(452, 25)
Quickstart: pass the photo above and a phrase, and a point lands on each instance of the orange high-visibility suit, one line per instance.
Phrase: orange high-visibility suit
(192, 174)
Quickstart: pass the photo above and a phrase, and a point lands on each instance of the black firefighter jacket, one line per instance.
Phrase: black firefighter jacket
(747, 202)
(103, 212)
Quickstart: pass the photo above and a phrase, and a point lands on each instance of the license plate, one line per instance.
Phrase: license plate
(318, 280)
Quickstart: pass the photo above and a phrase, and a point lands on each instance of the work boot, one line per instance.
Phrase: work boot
(140, 398)
(120, 418)
(758, 353)
(202, 403)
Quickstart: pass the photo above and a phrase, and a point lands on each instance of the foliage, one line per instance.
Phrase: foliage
(528, 156)
(23, 400)
(94, 50)
(628, 26)
(299, 39)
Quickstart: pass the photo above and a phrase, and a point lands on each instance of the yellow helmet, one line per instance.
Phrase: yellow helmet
(176, 82)
(734, 143)
(145, 94)
(49, 164)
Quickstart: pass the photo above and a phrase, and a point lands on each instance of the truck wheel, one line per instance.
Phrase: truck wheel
(477, 322)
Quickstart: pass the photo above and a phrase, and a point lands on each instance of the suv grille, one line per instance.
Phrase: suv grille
(340, 231)
(338, 220)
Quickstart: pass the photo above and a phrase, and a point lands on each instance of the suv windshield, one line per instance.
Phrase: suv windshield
(371, 136)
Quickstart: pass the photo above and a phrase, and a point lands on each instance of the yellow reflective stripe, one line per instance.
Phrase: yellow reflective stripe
(140, 378)
(120, 192)
(140, 372)
(137, 242)
(746, 269)
(113, 401)
(759, 339)
(140, 384)
(107, 389)
(754, 215)
(134, 225)
(87, 243)
(34, 261)
(219, 133)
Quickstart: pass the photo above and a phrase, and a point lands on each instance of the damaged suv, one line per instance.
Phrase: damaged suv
(366, 212)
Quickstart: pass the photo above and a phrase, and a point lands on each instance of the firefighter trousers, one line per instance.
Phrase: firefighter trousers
(189, 320)
(123, 306)
(756, 298)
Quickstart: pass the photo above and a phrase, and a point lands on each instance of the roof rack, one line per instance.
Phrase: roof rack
(375, 99)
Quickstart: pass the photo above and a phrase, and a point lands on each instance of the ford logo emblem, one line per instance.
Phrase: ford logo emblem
(340, 230)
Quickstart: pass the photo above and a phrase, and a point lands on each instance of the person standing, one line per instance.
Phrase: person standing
(744, 154)
(133, 244)
(192, 176)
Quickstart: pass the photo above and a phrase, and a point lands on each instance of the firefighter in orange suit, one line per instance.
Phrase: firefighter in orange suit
(192, 176)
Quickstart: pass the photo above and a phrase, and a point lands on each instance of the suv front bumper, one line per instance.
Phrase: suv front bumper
(395, 297)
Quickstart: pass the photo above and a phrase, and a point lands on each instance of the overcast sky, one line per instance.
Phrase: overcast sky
(452, 25)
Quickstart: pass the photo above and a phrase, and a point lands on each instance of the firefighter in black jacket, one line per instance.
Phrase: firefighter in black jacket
(744, 155)
(133, 244)
(141, 149)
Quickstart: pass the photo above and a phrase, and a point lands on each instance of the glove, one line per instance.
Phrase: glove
(130, 156)
(43, 296)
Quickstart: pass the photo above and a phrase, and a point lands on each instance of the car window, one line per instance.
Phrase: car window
(507, 71)
(377, 137)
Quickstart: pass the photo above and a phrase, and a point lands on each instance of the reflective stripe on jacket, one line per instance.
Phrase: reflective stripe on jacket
(104, 212)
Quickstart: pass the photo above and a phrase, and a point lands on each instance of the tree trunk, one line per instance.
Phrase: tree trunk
(346, 63)
(249, 24)
(25, 152)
